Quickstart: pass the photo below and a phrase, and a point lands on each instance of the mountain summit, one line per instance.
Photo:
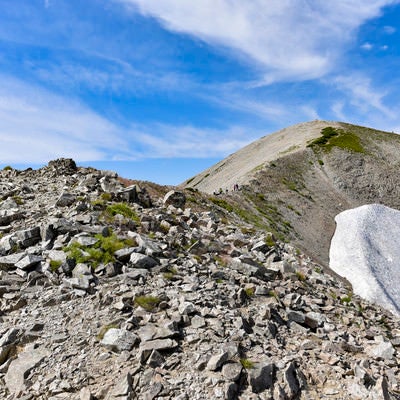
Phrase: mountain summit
(295, 181)
(239, 168)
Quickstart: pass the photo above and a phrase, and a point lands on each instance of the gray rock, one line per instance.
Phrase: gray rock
(156, 359)
(232, 371)
(381, 350)
(217, 361)
(261, 376)
(138, 260)
(8, 216)
(30, 260)
(82, 283)
(66, 200)
(82, 270)
(175, 198)
(314, 319)
(21, 366)
(119, 340)
(7, 341)
(28, 237)
(158, 344)
(11, 260)
(123, 389)
(296, 316)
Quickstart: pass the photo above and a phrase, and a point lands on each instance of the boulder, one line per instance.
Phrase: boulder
(175, 198)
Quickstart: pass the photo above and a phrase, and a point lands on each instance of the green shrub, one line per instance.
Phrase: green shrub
(249, 292)
(55, 264)
(122, 209)
(269, 240)
(149, 303)
(7, 168)
(332, 137)
(18, 200)
(301, 276)
(102, 252)
(222, 203)
(246, 363)
(106, 196)
(170, 274)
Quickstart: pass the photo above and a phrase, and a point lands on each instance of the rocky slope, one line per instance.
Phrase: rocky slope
(115, 292)
(299, 179)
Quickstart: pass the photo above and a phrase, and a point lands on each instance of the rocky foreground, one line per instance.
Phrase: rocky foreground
(107, 292)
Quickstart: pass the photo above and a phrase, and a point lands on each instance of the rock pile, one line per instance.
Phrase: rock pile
(106, 293)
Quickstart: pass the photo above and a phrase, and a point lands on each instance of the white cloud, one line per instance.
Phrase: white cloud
(367, 46)
(289, 39)
(362, 95)
(36, 126)
(168, 141)
(389, 29)
(337, 109)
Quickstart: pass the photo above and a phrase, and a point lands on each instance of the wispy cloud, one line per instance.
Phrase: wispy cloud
(362, 95)
(390, 30)
(367, 46)
(167, 141)
(288, 39)
(36, 126)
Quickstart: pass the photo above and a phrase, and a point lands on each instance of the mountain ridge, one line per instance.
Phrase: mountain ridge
(297, 193)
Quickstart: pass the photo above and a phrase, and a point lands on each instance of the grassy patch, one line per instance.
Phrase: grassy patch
(149, 303)
(170, 274)
(54, 265)
(106, 196)
(222, 203)
(102, 252)
(332, 137)
(301, 276)
(246, 363)
(122, 209)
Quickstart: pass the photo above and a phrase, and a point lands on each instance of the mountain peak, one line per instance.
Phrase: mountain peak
(238, 168)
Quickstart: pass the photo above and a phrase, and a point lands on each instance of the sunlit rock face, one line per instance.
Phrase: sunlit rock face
(365, 249)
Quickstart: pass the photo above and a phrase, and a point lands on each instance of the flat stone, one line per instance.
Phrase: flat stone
(28, 237)
(65, 200)
(20, 367)
(232, 371)
(383, 350)
(7, 341)
(119, 340)
(217, 361)
(28, 261)
(11, 260)
(139, 260)
(158, 344)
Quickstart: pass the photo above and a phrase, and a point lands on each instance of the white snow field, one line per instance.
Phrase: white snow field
(365, 249)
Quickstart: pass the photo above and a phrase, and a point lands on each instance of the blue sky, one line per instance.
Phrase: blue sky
(161, 89)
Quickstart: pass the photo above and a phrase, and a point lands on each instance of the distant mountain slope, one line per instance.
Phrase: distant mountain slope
(240, 167)
(294, 182)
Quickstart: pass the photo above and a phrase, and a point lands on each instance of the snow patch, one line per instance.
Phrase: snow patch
(365, 249)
